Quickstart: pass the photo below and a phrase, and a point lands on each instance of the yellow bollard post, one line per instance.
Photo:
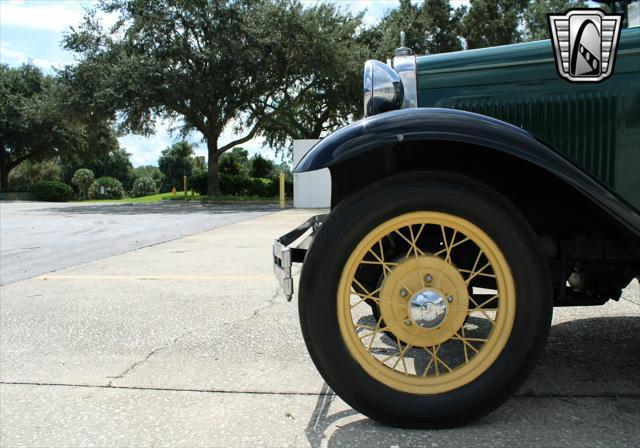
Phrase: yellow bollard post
(184, 186)
(281, 189)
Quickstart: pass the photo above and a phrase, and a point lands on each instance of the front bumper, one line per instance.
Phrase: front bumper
(284, 256)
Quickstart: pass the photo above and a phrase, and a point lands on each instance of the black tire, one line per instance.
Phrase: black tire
(350, 221)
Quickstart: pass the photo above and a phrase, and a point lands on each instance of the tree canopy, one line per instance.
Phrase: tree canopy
(176, 162)
(235, 162)
(325, 90)
(430, 27)
(492, 22)
(37, 124)
(261, 167)
(536, 26)
(116, 163)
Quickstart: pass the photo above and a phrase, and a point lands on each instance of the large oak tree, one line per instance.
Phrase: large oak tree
(210, 64)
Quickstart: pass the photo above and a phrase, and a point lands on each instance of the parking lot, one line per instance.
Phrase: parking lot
(163, 325)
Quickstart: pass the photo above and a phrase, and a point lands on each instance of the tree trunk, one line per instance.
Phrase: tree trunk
(213, 187)
(5, 168)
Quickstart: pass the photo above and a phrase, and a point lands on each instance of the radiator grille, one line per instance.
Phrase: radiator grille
(582, 126)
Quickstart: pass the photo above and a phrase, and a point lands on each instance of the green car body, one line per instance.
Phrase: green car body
(596, 125)
(566, 154)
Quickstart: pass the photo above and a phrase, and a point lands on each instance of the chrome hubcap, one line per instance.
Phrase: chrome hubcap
(428, 308)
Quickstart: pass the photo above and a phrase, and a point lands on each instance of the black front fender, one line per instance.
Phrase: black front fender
(433, 124)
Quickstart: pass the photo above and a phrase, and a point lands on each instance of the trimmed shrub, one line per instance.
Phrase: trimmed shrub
(144, 186)
(106, 188)
(259, 187)
(234, 162)
(52, 191)
(236, 185)
(199, 182)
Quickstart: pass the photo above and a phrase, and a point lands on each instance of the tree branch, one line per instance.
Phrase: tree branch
(239, 141)
(319, 125)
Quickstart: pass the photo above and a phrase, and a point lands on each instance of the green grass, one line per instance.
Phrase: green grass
(180, 197)
(229, 198)
(144, 199)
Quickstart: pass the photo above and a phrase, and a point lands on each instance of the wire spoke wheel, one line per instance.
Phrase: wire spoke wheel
(426, 302)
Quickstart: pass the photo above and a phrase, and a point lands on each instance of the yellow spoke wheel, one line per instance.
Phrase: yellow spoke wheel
(424, 301)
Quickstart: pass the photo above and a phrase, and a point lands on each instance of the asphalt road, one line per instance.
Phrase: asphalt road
(44, 237)
(190, 343)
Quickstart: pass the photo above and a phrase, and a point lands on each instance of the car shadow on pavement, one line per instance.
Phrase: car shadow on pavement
(595, 361)
(161, 208)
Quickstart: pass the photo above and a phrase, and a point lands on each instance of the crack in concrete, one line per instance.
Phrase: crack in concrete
(294, 443)
(146, 358)
(270, 303)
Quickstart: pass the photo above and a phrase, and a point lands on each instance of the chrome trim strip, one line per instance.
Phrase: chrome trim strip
(482, 67)
(406, 68)
(506, 64)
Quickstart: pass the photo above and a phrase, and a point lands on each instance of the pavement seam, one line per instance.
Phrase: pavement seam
(328, 392)
(163, 389)
(149, 355)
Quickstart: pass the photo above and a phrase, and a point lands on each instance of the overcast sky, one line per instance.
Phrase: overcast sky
(31, 30)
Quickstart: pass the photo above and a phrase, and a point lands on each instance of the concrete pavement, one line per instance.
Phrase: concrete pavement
(44, 237)
(190, 343)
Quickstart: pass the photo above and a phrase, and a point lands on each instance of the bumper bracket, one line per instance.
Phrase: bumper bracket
(284, 256)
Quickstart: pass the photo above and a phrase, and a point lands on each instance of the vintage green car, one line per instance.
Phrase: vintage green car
(481, 190)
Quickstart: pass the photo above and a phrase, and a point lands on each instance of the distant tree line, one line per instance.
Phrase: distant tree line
(115, 173)
(271, 68)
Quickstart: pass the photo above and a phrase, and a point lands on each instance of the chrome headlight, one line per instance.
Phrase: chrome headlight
(383, 90)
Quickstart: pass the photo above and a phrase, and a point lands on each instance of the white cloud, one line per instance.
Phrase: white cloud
(372, 14)
(14, 57)
(374, 10)
(146, 150)
(43, 15)
(458, 3)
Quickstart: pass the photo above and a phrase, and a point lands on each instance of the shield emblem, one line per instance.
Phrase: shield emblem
(584, 43)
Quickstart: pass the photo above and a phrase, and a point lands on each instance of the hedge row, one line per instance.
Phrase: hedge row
(237, 185)
(56, 191)
(110, 188)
